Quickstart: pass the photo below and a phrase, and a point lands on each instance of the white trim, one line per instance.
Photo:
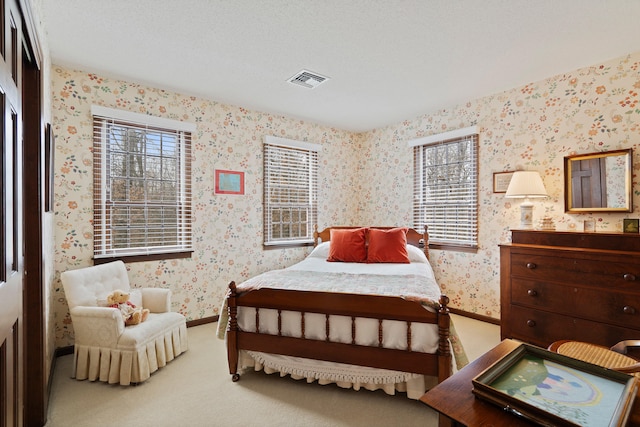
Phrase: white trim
(103, 188)
(103, 244)
(445, 136)
(284, 142)
(146, 119)
(152, 250)
(285, 242)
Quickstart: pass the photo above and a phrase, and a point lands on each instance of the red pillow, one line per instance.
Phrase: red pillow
(388, 245)
(348, 245)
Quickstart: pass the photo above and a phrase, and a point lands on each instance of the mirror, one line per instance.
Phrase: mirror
(598, 182)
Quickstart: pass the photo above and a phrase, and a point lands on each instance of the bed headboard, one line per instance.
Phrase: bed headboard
(420, 240)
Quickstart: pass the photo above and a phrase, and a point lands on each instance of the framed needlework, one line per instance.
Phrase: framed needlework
(501, 181)
(229, 182)
(555, 390)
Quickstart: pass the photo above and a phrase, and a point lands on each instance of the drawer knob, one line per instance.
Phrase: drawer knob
(531, 323)
(628, 310)
(532, 293)
(629, 277)
(531, 265)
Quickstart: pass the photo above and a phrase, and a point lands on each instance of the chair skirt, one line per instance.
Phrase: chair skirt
(141, 350)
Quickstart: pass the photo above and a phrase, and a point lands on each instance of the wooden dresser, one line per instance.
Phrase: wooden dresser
(569, 285)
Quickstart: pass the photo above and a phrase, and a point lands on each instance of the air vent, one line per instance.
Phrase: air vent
(307, 79)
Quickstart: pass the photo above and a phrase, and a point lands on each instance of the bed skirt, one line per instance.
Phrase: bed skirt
(343, 375)
(132, 365)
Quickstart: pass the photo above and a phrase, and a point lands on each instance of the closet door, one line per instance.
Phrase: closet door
(11, 229)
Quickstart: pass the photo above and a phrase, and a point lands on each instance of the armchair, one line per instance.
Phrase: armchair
(104, 348)
(612, 358)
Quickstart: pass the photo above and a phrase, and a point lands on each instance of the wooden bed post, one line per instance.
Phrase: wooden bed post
(232, 333)
(444, 349)
(316, 235)
(425, 239)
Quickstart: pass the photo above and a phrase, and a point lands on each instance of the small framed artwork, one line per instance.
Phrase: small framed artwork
(630, 225)
(501, 181)
(551, 389)
(229, 182)
(49, 152)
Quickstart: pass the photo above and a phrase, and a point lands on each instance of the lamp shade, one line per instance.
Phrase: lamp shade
(525, 184)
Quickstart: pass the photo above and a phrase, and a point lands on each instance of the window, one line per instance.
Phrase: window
(290, 191)
(445, 191)
(142, 185)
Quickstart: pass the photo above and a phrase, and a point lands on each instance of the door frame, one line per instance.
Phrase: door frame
(36, 381)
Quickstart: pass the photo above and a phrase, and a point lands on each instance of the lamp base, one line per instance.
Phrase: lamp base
(526, 215)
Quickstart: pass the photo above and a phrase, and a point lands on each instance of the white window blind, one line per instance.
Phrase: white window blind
(142, 184)
(290, 191)
(445, 192)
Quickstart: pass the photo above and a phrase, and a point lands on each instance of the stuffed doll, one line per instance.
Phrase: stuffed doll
(131, 314)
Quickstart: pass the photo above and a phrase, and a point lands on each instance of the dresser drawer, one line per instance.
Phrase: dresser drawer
(617, 308)
(541, 295)
(542, 328)
(577, 270)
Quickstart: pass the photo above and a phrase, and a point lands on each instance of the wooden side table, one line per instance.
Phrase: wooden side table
(456, 404)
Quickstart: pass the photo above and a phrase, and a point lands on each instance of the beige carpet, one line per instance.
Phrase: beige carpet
(196, 390)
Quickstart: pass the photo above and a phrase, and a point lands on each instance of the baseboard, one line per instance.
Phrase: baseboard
(51, 372)
(202, 321)
(474, 316)
(62, 351)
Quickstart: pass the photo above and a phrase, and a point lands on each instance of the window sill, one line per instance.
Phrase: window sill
(141, 258)
(454, 248)
(286, 246)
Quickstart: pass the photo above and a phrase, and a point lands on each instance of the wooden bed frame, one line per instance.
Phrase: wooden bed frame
(352, 305)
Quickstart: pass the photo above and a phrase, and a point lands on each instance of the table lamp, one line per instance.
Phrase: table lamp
(526, 184)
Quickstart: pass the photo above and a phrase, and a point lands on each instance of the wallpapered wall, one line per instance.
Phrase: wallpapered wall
(227, 228)
(532, 128)
(364, 178)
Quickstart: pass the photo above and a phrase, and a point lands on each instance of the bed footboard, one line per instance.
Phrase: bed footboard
(232, 333)
(342, 304)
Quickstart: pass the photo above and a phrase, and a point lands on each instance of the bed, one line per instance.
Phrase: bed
(363, 310)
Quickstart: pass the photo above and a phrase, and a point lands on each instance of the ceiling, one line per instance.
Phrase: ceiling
(386, 60)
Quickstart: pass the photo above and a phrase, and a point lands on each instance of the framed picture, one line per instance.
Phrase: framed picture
(501, 181)
(555, 390)
(630, 225)
(49, 152)
(229, 182)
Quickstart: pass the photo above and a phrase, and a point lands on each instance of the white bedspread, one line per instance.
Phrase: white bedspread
(409, 281)
(414, 281)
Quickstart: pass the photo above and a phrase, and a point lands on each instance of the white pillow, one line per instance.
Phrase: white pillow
(320, 251)
(416, 254)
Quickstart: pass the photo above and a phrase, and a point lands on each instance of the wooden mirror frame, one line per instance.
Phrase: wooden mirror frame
(590, 162)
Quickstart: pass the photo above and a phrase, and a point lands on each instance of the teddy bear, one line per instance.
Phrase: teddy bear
(131, 314)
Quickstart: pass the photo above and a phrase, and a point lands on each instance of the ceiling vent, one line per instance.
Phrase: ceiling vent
(308, 79)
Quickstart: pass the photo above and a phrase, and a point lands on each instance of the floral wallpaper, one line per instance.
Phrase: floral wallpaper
(227, 228)
(364, 178)
(616, 173)
(531, 128)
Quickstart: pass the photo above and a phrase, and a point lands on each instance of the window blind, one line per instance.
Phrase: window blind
(290, 191)
(142, 184)
(445, 192)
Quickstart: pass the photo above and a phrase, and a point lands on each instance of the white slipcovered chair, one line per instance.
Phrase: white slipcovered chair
(106, 349)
